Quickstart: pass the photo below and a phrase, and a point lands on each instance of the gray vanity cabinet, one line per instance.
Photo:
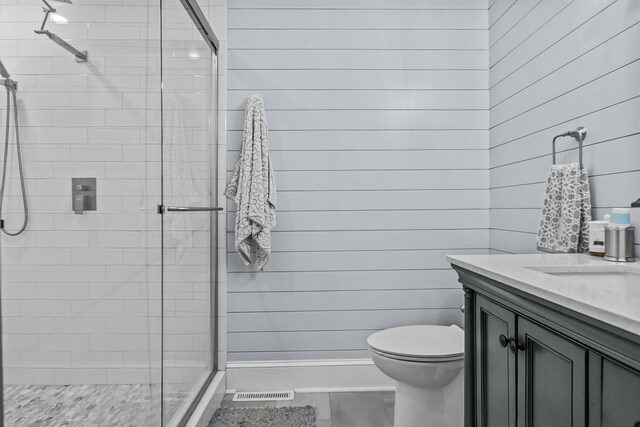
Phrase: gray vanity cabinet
(552, 378)
(495, 365)
(614, 394)
(530, 363)
(535, 380)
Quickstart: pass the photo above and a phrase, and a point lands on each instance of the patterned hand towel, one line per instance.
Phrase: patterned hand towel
(566, 211)
(253, 188)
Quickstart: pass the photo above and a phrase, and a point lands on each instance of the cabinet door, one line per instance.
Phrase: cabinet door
(614, 394)
(552, 373)
(495, 365)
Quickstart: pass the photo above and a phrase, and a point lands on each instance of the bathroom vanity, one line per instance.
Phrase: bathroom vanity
(550, 340)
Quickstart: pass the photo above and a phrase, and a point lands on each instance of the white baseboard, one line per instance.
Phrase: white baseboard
(307, 376)
(210, 401)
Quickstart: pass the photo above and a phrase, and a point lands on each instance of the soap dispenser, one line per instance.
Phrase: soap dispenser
(618, 237)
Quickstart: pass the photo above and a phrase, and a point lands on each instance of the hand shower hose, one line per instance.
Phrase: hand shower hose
(11, 93)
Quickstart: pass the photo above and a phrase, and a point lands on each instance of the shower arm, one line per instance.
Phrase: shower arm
(81, 55)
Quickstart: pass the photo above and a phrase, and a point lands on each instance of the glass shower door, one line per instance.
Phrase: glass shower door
(80, 288)
(189, 220)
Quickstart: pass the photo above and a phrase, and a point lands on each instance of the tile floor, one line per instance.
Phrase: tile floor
(357, 409)
(131, 405)
(87, 405)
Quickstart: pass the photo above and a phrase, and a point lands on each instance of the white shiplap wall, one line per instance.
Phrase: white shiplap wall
(556, 65)
(378, 115)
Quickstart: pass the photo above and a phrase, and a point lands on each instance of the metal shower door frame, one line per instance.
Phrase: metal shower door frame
(200, 21)
(202, 24)
(213, 262)
(1, 348)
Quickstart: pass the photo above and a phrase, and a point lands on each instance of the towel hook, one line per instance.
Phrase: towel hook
(580, 134)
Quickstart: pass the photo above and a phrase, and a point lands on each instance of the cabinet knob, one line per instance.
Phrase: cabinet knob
(504, 341)
(514, 345)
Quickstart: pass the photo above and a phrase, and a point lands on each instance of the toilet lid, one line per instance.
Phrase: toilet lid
(420, 341)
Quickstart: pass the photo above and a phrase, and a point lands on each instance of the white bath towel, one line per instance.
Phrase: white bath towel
(253, 188)
(566, 211)
(182, 184)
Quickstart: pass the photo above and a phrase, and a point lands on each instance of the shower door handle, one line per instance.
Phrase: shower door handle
(162, 209)
(193, 209)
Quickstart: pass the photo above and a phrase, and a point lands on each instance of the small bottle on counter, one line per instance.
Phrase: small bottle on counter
(596, 236)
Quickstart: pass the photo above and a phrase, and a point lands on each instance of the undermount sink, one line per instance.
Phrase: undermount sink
(609, 276)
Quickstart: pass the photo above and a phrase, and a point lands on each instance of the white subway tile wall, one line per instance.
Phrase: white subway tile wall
(81, 294)
(378, 118)
(68, 325)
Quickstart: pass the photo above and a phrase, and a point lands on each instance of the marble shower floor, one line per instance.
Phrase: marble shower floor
(86, 405)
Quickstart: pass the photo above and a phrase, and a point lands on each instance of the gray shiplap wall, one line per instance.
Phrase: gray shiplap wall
(556, 65)
(378, 114)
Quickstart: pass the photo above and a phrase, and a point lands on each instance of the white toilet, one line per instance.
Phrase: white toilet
(427, 363)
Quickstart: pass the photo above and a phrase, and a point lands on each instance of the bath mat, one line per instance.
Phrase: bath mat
(293, 416)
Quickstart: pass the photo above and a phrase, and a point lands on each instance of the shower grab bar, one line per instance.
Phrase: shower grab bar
(162, 209)
(580, 134)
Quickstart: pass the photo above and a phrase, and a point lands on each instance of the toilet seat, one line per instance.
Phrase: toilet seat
(417, 359)
(419, 343)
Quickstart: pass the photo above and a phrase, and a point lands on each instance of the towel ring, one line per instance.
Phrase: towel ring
(580, 134)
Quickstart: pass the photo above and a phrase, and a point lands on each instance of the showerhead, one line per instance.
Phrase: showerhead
(50, 8)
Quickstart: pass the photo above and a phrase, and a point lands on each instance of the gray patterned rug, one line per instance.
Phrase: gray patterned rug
(293, 416)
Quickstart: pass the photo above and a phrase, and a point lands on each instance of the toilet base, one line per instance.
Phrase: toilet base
(429, 407)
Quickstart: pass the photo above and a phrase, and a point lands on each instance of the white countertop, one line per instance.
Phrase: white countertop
(617, 304)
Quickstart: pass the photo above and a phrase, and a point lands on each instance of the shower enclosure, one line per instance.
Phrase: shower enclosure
(108, 313)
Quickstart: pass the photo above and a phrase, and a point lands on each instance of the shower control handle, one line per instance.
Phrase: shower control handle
(78, 203)
(79, 199)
